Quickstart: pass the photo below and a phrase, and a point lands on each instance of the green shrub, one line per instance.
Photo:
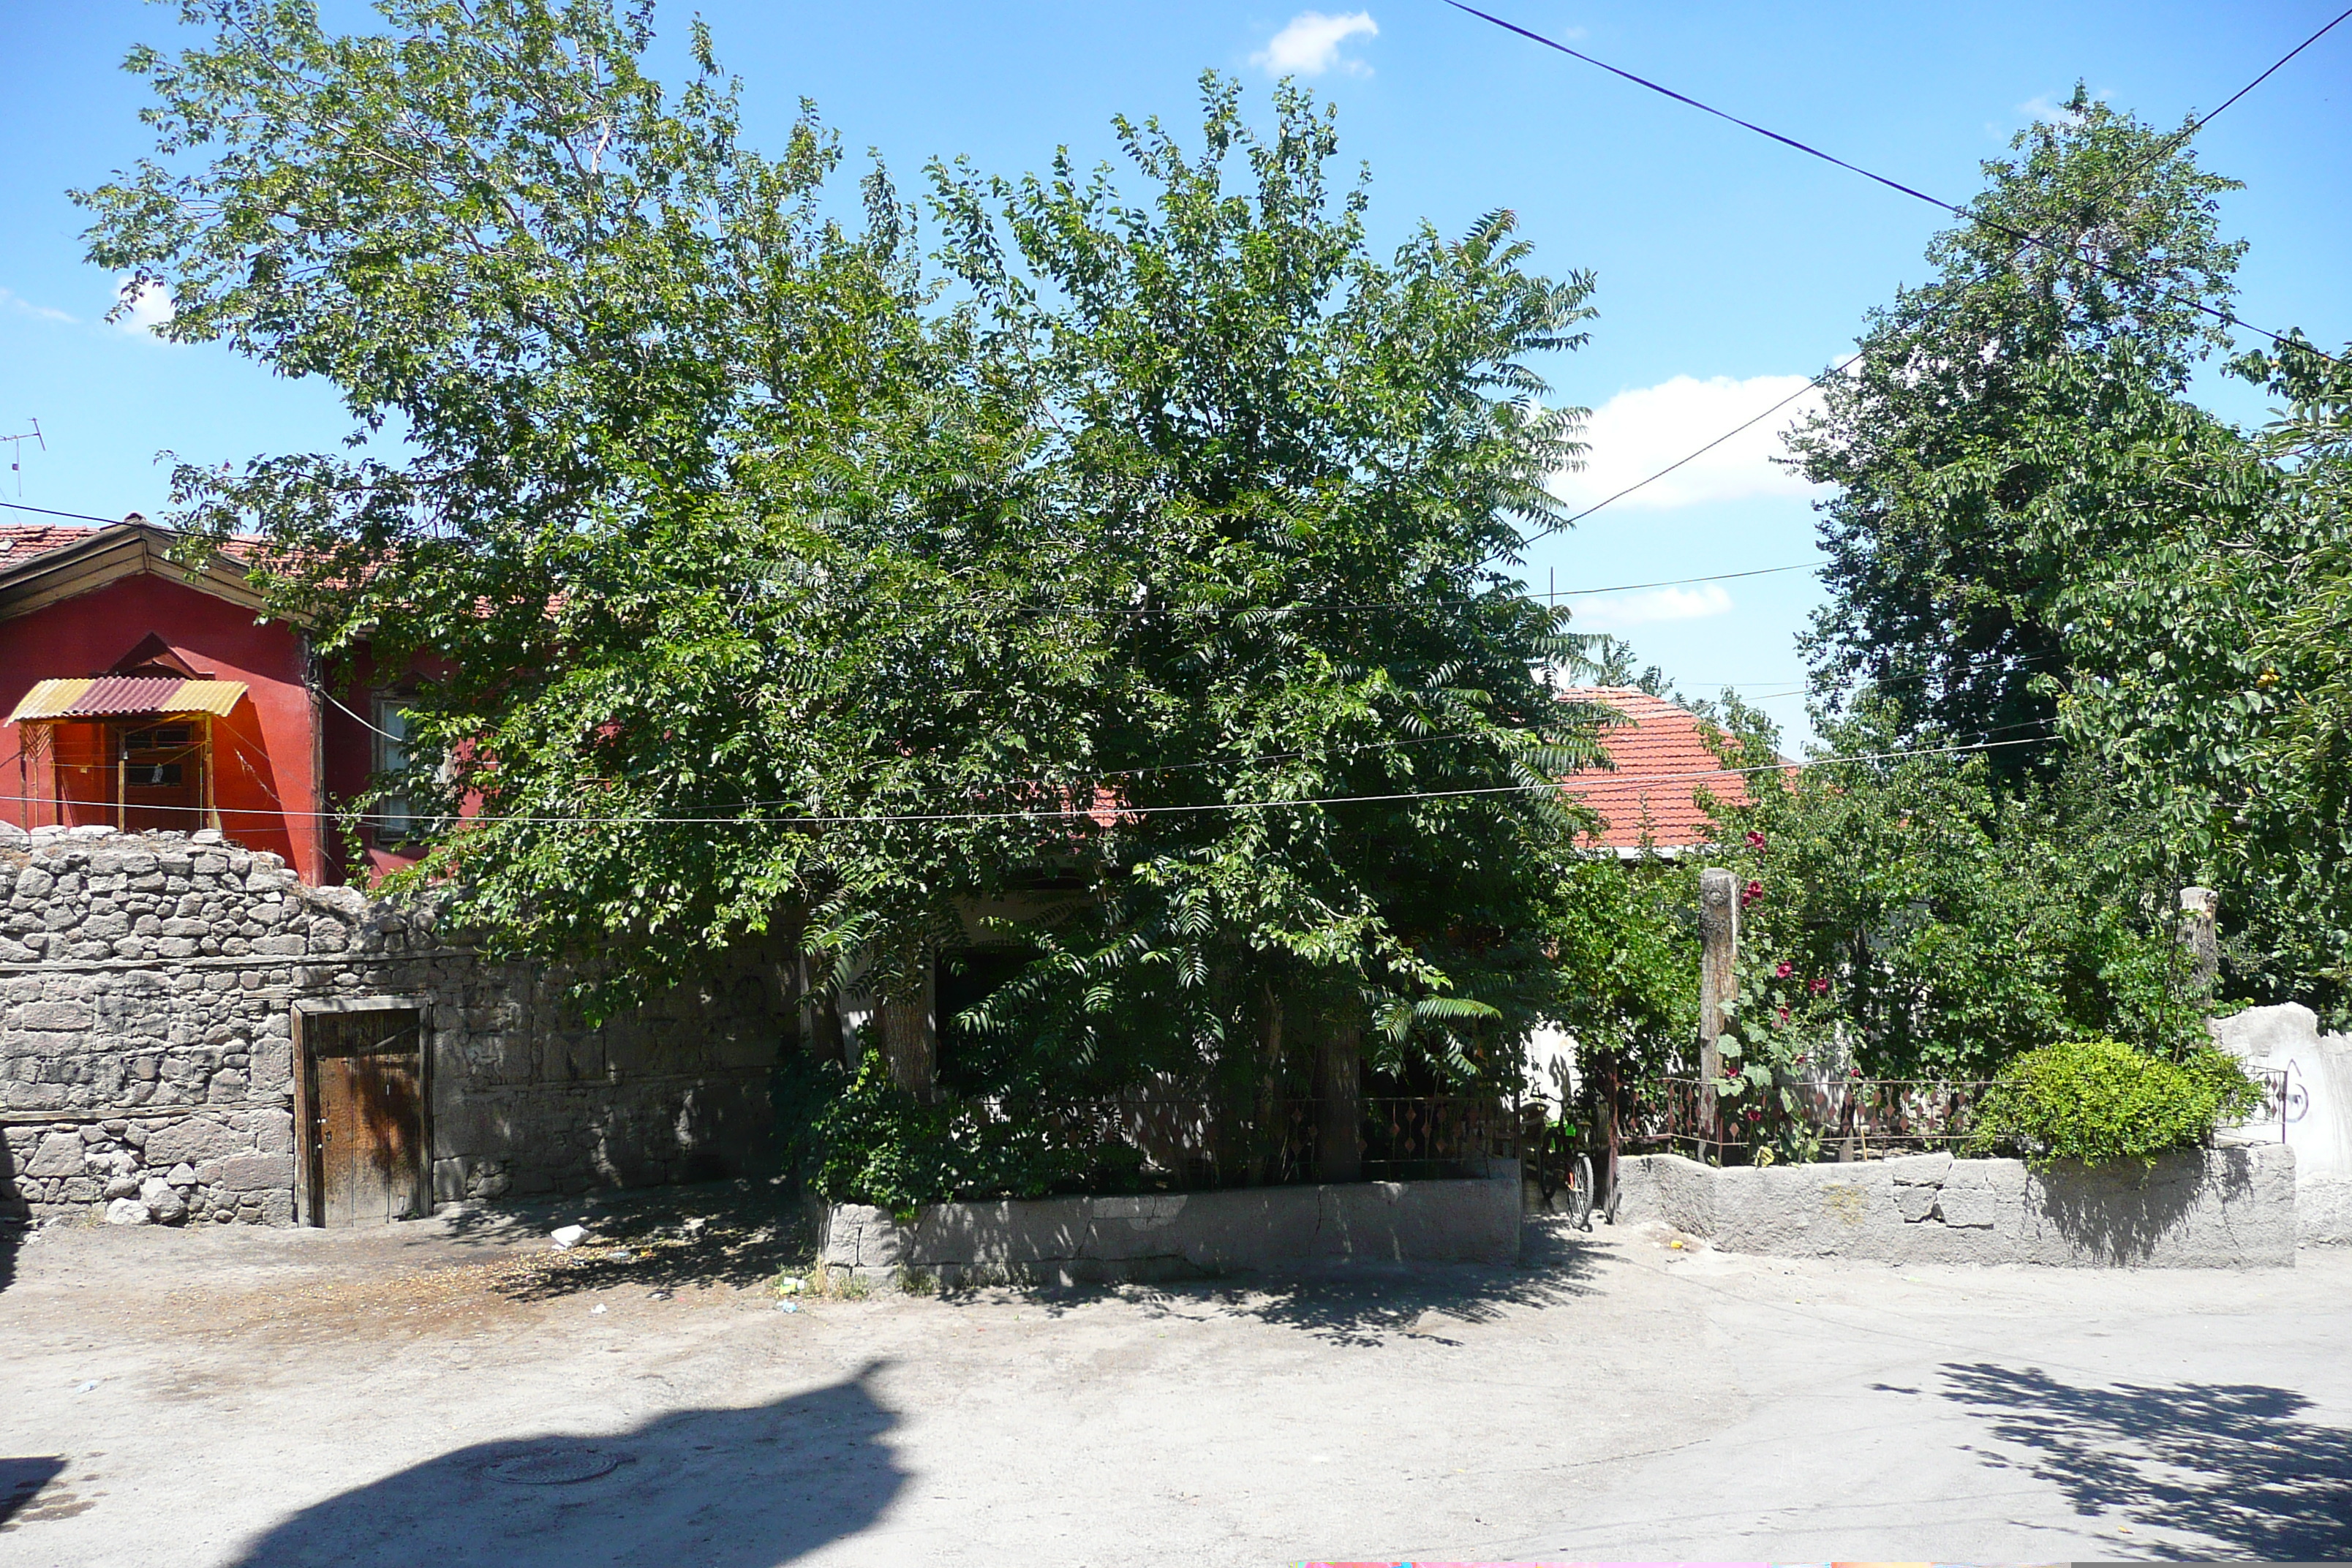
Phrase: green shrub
(2102, 1102)
(875, 1144)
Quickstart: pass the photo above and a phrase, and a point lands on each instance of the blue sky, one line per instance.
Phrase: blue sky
(1726, 263)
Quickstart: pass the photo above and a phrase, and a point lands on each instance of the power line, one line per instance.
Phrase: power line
(2022, 235)
(1839, 369)
(52, 511)
(1074, 811)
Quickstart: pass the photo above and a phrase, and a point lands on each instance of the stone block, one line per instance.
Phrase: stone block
(196, 1138)
(55, 1016)
(61, 1154)
(1914, 1202)
(256, 1173)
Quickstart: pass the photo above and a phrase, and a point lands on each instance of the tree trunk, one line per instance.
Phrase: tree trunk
(1339, 1105)
(907, 1023)
(1267, 1135)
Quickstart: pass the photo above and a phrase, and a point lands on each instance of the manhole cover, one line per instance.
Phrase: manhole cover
(551, 1466)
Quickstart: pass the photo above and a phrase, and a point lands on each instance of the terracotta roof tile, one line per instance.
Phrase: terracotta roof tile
(1660, 764)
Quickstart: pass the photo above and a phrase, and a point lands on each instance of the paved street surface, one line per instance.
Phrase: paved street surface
(450, 1392)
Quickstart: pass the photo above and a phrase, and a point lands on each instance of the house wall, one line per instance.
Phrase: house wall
(147, 989)
(263, 765)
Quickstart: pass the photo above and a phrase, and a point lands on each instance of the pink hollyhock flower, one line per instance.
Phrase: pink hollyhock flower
(1786, 970)
(1750, 893)
(1755, 839)
(1821, 988)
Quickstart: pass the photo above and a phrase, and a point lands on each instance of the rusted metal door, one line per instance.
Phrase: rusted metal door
(365, 1074)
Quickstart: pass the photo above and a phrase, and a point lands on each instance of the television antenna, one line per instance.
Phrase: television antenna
(16, 451)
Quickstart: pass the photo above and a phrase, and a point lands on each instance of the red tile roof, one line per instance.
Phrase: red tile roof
(20, 542)
(1660, 764)
(23, 541)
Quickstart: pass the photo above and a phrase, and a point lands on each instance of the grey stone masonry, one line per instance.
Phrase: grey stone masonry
(148, 983)
(1177, 1235)
(2199, 1208)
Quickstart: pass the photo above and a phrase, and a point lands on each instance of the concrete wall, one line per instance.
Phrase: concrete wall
(2317, 1123)
(1178, 1234)
(147, 989)
(2221, 1208)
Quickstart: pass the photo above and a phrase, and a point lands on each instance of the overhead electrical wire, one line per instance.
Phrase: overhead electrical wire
(2106, 188)
(1074, 812)
(2023, 236)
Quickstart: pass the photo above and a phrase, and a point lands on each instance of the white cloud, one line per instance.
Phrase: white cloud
(1637, 432)
(22, 306)
(1310, 45)
(1615, 614)
(146, 308)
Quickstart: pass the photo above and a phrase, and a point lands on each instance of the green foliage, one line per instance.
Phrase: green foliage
(1953, 925)
(879, 1144)
(1626, 957)
(2101, 1102)
(767, 576)
(1780, 1032)
(1981, 448)
(2219, 648)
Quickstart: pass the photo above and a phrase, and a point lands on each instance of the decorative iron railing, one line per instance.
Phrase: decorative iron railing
(1187, 1144)
(1853, 1118)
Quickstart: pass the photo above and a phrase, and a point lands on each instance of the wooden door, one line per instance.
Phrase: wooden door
(366, 1072)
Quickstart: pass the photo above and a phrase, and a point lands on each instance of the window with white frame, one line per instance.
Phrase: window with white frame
(396, 822)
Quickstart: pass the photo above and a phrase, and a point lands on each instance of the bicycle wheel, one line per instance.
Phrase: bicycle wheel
(1547, 1171)
(1580, 1194)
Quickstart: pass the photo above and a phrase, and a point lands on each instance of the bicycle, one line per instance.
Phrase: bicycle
(1549, 1150)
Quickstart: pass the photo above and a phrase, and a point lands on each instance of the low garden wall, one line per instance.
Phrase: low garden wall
(1068, 1241)
(2220, 1208)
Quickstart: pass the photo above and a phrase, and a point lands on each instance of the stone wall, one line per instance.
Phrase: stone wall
(1067, 1241)
(2220, 1208)
(148, 985)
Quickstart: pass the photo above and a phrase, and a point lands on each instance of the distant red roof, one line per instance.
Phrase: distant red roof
(23, 541)
(1660, 765)
(20, 542)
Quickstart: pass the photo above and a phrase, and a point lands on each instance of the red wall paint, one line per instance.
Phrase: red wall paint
(263, 758)
(350, 758)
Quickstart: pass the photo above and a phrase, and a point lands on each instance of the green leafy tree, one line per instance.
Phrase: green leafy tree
(754, 584)
(1301, 462)
(712, 535)
(1946, 923)
(1981, 446)
(2222, 636)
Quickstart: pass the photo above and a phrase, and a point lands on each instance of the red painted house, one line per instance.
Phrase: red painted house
(142, 693)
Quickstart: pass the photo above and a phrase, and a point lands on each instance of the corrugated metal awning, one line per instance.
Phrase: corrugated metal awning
(126, 695)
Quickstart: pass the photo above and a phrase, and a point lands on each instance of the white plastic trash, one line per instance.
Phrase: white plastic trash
(568, 1236)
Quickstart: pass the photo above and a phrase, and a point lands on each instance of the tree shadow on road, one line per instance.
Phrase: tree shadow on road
(12, 1241)
(1369, 1304)
(2228, 1462)
(718, 1488)
(734, 1235)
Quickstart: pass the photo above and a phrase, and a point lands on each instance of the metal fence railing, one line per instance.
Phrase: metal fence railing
(1853, 1118)
(1187, 1143)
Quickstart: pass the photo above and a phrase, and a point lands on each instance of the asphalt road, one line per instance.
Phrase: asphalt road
(450, 1392)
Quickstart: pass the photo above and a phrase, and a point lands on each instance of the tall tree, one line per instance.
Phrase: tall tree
(1980, 446)
(712, 527)
(766, 586)
(2218, 648)
(1303, 462)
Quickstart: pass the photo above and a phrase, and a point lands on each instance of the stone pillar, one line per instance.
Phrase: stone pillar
(907, 1023)
(1339, 1105)
(2200, 935)
(1719, 930)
